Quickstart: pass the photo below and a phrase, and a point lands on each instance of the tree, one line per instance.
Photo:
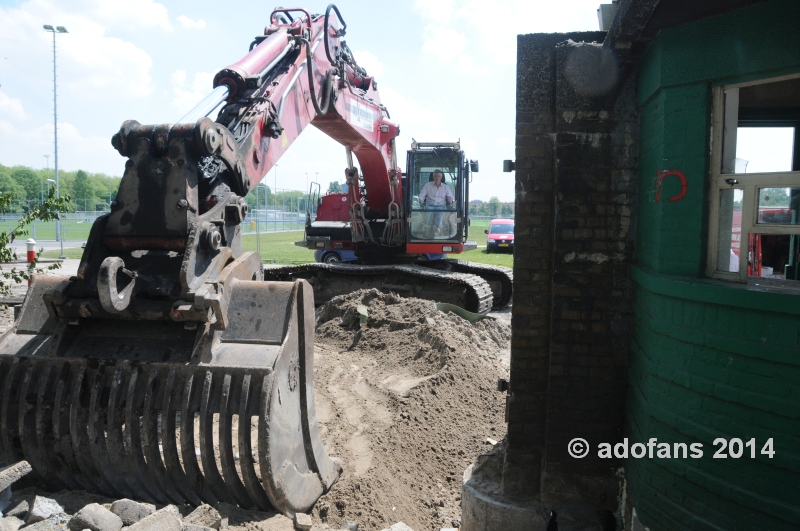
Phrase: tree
(47, 211)
(494, 205)
(28, 180)
(335, 187)
(83, 191)
(12, 187)
(506, 210)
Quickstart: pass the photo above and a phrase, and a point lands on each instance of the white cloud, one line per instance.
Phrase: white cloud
(369, 62)
(90, 63)
(185, 96)
(137, 14)
(437, 10)
(190, 24)
(11, 107)
(443, 43)
(75, 149)
(467, 64)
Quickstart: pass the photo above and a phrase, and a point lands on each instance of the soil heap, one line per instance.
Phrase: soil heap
(407, 400)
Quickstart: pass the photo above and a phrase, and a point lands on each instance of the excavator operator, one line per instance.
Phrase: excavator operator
(436, 195)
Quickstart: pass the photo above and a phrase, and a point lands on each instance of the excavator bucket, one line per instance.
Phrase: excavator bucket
(168, 411)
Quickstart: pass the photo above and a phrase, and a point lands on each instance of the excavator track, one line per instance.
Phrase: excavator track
(500, 279)
(468, 291)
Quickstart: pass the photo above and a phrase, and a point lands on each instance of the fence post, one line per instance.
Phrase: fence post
(30, 243)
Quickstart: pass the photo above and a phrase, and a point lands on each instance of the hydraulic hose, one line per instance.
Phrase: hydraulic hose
(326, 94)
(341, 32)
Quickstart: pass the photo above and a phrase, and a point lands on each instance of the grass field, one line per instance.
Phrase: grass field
(279, 247)
(73, 230)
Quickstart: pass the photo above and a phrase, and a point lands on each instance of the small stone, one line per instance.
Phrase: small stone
(302, 521)
(166, 519)
(43, 508)
(206, 516)
(11, 523)
(132, 511)
(349, 526)
(20, 510)
(399, 526)
(41, 525)
(95, 517)
(193, 527)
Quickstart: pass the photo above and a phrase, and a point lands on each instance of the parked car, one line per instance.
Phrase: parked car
(500, 235)
(330, 256)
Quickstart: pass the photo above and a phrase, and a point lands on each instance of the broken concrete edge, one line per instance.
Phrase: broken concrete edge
(12, 473)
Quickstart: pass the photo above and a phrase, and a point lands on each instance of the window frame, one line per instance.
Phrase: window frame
(749, 183)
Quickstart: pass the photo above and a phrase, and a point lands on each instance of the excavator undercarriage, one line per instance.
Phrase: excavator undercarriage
(477, 288)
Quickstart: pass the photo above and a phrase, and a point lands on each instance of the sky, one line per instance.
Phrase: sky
(445, 70)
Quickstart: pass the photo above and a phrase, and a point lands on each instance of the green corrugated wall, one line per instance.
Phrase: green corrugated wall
(709, 359)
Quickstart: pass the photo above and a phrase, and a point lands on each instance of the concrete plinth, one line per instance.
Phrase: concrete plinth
(485, 508)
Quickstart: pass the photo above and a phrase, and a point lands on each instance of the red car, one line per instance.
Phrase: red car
(500, 235)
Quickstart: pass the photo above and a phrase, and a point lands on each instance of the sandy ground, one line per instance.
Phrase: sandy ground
(407, 401)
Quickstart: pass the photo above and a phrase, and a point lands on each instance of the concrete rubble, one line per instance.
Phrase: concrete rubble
(303, 521)
(96, 518)
(132, 511)
(42, 509)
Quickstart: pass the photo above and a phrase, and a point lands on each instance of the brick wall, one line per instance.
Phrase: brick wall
(576, 193)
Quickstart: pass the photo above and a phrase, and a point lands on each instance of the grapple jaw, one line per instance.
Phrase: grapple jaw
(166, 410)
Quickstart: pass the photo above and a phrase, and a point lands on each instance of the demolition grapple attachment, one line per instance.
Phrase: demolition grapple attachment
(167, 370)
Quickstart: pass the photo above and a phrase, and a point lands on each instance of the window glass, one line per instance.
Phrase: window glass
(764, 149)
(432, 218)
(770, 256)
(505, 228)
(730, 230)
(776, 207)
(756, 182)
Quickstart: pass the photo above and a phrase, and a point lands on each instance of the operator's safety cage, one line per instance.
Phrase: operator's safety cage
(754, 221)
(446, 222)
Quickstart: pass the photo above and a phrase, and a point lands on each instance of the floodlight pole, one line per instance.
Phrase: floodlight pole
(59, 227)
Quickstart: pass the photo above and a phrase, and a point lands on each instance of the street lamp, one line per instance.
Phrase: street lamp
(41, 184)
(58, 29)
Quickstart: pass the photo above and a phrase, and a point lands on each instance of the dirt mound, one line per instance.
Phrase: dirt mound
(408, 333)
(407, 400)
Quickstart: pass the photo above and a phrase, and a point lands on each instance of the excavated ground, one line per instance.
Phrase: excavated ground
(407, 400)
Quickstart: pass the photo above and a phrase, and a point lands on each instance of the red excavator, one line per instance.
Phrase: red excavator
(170, 369)
(414, 239)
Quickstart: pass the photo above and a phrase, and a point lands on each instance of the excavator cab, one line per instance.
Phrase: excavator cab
(436, 191)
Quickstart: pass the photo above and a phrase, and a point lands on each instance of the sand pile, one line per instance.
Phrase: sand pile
(407, 401)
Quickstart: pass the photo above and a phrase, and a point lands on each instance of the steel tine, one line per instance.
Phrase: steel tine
(133, 441)
(62, 436)
(251, 481)
(9, 412)
(169, 443)
(115, 438)
(150, 416)
(46, 440)
(98, 417)
(207, 455)
(193, 474)
(78, 421)
(231, 387)
(26, 417)
(6, 362)
(264, 395)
